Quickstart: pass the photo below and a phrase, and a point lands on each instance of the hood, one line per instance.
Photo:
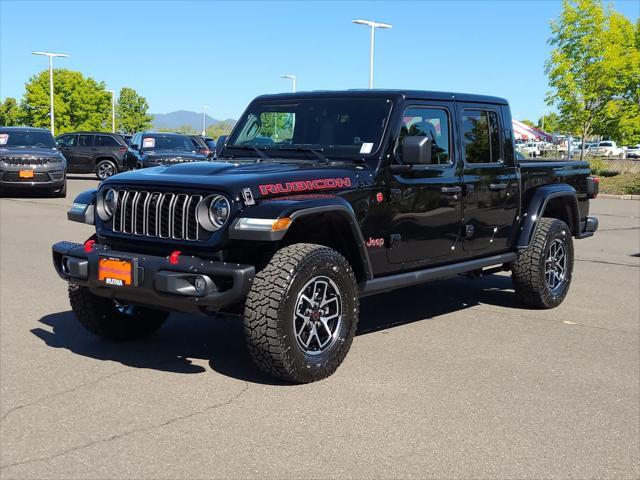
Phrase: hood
(265, 179)
(29, 152)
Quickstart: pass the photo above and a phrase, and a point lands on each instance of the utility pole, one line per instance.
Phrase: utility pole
(113, 110)
(373, 25)
(204, 120)
(293, 81)
(51, 55)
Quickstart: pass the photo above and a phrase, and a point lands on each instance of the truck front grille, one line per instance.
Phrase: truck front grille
(159, 215)
(29, 160)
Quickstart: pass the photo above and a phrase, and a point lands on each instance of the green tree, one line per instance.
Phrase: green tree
(528, 122)
(10, 112)
(551, 123)
(591, 64)
(79, 103)
(131, 112)
(223, 127)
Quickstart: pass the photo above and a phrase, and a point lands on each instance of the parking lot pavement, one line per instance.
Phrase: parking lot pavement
(447, 380)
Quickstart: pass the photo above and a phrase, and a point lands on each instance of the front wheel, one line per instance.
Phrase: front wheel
(301, 313)
(111, 320)
(542, 274)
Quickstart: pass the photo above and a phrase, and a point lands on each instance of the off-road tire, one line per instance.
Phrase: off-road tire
(528, 272)
(269, 312)
(101, 316)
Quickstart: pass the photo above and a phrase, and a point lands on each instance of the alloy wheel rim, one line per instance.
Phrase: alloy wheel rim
(555, 270)
(318, 315)
(105, 170)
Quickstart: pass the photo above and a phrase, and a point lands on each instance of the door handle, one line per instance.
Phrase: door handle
(498, 186)
(457, 189)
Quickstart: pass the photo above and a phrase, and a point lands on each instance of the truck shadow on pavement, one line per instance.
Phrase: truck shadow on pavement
(220, 340)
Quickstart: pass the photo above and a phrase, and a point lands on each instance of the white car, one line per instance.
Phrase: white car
(633, 152)
(606, 148)
(530, 149)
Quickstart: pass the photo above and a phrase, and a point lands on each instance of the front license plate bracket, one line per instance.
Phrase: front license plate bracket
(118, 271)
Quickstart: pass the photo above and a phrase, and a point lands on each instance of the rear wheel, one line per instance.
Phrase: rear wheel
(301, 313)
(542, 274)
(105, 169)
(111, 320)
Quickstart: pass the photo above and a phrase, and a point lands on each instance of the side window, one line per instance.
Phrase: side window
(66, 140)
(106, 141)
(135, 140)
(428, 122)
(481, 136)
(85, 141)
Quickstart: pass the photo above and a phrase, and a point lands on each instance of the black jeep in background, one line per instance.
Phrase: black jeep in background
(316, 200)
(93, 152)
(29, 160)
(152, 149)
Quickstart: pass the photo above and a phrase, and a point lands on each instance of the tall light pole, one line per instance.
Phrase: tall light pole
(373, 25)
(51, 55)
(204, 120)
(113, 110)
(293, 81)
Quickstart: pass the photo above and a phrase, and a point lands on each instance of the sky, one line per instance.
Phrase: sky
(182, 55)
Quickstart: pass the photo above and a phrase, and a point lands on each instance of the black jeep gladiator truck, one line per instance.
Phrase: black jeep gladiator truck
(316, 200)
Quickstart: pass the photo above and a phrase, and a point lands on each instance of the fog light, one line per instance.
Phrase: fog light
(200, 284)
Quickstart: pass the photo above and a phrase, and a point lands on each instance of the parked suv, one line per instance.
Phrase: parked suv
(151, 149)
(29, 159)
(93, 152)
(201, 146)
(357, 193)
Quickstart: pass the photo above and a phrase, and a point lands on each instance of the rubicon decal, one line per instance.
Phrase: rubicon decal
(304, 186)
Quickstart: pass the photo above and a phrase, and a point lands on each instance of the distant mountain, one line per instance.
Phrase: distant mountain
(181, 118)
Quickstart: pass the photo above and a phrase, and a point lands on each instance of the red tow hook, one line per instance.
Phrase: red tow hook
(174, 258)
(88, 245)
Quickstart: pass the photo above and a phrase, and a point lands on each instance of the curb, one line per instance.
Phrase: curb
(619, 197)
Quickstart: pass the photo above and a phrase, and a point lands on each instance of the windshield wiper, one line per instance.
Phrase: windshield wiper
(260, 152)
(299, 148)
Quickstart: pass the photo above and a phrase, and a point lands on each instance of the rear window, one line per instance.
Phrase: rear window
(106, 141)
(606, 144)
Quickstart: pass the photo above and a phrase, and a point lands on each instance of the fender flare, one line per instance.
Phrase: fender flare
(537, 205)
(343, 210)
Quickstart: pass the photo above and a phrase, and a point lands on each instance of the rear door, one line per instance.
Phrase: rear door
(83, 152)
(490, 179)
(426, 203)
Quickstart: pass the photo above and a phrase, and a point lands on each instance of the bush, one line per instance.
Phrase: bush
(623, 184)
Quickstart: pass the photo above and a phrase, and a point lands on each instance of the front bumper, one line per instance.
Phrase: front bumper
(157, 283)
(43, 177)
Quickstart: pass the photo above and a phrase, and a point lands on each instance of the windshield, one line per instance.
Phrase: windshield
(166, 142)
(26, 138)
(337, 126)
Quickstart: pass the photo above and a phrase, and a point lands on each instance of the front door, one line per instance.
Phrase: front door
(426, 202)
(491, 184)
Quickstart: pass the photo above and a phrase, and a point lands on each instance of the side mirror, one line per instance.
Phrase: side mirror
(134, 146)
(416, 150)
(220, 144)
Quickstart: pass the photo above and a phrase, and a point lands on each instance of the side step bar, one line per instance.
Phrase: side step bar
(400, 280)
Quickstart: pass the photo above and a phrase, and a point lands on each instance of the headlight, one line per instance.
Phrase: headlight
(219, 209)
(107, 204)
(213, 212)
